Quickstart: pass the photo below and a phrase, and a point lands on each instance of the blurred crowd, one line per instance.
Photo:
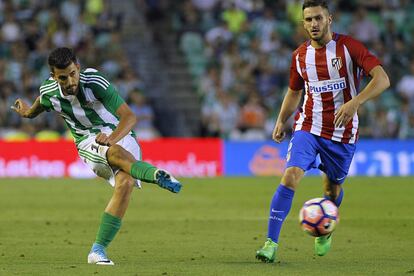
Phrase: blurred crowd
(239, 54)
(30, 29)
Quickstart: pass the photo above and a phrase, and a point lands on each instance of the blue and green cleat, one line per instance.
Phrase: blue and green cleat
(267, 253)
(166, 181)
(323, 244)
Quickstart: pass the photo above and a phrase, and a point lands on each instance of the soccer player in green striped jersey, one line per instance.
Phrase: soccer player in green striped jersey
(101, 124)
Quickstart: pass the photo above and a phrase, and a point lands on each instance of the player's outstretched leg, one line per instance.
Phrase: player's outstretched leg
(267, 253)
(167, 181)
(148, 173)
(323, 245)
(118, 157)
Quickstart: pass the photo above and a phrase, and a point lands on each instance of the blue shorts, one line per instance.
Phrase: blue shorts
(335, 157)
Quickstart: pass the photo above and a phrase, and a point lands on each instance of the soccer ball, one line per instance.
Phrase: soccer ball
(318, 217)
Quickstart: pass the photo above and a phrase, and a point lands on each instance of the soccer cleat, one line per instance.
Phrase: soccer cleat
(167, 181)
(267, 253)
(323, 244)
(98, 256)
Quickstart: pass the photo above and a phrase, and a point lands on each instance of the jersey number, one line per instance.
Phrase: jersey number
(95, 147)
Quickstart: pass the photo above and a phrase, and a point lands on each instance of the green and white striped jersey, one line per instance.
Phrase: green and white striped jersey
(91, 111)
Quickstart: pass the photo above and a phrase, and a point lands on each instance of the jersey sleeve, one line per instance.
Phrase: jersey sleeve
(111, 99)
(295, 79)
(44, 90)
(105, 92)
(45, 102)
(360, 54)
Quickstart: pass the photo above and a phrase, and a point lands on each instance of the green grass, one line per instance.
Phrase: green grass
(213, 227)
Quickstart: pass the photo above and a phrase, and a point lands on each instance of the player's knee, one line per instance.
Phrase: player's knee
(117, 156)
(292, 177)
(114, 152)
(124, 185)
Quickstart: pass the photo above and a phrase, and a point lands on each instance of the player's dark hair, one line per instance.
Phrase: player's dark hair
(315, 3)
(61, 58)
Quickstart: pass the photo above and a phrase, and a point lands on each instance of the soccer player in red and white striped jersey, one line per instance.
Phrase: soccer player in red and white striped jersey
(328, 69)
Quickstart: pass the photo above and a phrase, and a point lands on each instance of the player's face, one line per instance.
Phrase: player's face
(68, 78)
(317, 21)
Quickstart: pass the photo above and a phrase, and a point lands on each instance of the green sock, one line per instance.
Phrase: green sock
(143, 171)
(108, 229)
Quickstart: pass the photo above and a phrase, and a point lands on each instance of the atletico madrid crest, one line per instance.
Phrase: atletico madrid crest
(337, 63)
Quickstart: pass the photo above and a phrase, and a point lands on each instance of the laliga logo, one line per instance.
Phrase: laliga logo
(267, 161)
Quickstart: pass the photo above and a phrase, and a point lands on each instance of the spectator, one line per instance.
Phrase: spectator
(363, 29)
(10, 31)
(225, 114)
(390, 34)
(218, 33)
(144, 128)
(234, 17)
(406, 130)
(252, 119)
(294, 11)
(265, 26)
(405, 86)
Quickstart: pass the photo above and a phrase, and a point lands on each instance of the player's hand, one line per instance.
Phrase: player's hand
(346, 113)
(103, 139)
(278, 132)
(20, 107)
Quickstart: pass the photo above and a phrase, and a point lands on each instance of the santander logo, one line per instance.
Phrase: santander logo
(189, 167)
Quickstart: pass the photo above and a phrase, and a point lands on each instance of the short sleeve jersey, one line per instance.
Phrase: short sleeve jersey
(91, 111)
(330, 77)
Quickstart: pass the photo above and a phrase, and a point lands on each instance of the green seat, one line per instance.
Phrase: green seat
(16, 136)
(197, 65)
(389, 100)
(191, 43)
(47, 136)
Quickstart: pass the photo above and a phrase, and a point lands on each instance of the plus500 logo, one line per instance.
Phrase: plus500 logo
(327, 86)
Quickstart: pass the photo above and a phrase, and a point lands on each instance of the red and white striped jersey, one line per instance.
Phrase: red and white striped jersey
(330, 76)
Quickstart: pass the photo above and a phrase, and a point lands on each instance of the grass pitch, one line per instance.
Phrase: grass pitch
(213, 227)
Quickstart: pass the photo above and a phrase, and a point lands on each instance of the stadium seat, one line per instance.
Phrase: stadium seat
(47, 136)
(16, 136)
(191, 43)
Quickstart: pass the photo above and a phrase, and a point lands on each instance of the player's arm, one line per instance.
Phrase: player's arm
(374, 88)
(291, 100)
(127, 121)
(26, 111)
(289, 105)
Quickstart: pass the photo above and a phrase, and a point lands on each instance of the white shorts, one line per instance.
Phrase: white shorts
(94, 155)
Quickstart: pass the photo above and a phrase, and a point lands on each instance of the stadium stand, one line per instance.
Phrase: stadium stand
(30, 29)
(201, 67)
(248, 45)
